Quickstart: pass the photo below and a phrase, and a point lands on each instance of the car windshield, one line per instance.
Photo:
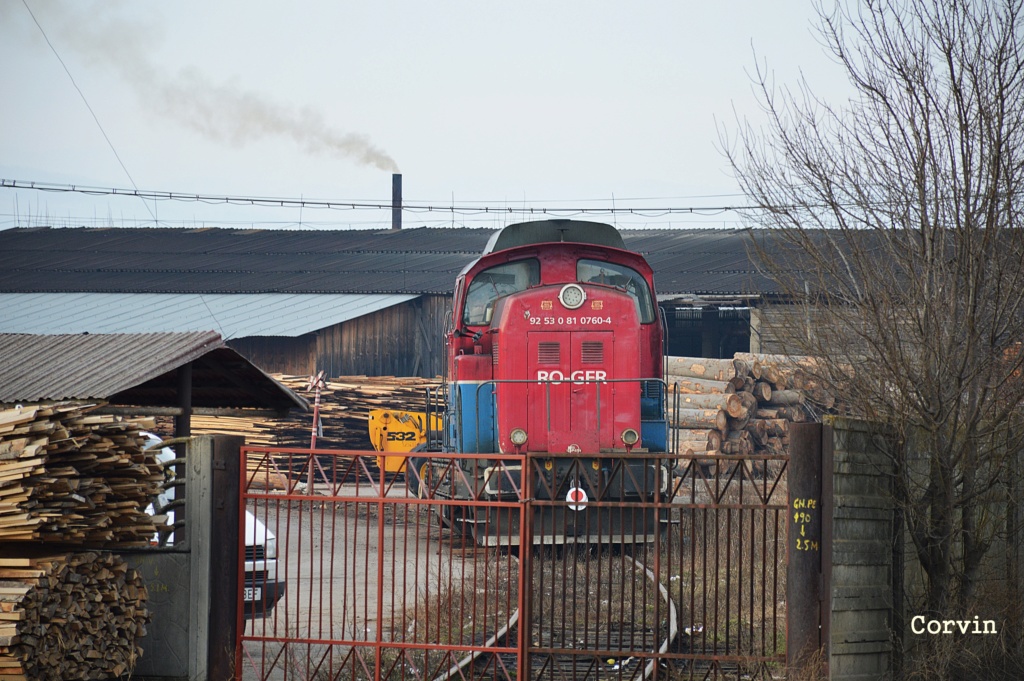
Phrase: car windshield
(496, 282)
(621, 277)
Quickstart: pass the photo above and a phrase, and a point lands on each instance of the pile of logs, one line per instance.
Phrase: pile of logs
(741, 406)
(71, 480)
(69, 616)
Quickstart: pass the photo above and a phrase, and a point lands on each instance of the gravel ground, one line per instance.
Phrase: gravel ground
(328, 559)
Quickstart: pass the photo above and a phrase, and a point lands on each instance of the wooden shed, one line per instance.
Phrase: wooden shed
(156, 374)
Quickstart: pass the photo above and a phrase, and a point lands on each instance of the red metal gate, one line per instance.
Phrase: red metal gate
(375, 586)
(382, 578)
(703, 597)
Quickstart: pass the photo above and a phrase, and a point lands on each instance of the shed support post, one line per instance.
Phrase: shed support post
(214, 516)
(183, 421)
(710, 333)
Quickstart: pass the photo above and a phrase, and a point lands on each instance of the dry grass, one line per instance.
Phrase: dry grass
(725, 561)
(813, 667)
(461, 608)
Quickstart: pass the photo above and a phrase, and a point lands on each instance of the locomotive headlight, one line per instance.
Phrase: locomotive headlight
(518, 437)
(572, 296)
(630, 437)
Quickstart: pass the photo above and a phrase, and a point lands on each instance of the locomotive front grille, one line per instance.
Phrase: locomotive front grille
(592, 352)
(549, 353)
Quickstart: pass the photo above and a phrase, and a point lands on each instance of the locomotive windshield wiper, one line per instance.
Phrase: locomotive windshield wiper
(476, 335)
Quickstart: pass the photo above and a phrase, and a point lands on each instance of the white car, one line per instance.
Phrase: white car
(261, 589)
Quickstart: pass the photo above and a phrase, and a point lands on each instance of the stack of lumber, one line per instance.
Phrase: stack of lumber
(345, 404)
(741, 406)
(69, 616)
(76, 478)
(258, 432)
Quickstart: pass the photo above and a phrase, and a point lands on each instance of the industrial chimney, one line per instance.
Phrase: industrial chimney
(396, 201)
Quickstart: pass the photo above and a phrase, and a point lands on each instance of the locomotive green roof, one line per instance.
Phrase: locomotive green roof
(550, 231)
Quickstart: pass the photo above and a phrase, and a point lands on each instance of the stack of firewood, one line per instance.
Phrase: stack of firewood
(69, 616)
(741, 406)
(71, 480)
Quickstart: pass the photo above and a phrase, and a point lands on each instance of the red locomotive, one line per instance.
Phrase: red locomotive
(555, 348)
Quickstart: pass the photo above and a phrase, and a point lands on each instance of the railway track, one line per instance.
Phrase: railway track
(616, 651)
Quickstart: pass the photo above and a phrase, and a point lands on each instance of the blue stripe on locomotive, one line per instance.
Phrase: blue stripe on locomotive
(472, 426)
(653, 426)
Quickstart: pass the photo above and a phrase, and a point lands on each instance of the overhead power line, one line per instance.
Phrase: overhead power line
(85, 101)
(278, 202)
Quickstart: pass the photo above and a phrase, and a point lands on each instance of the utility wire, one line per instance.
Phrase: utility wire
(466, 210)
(109, 143)
(15, 220)
(86, 101)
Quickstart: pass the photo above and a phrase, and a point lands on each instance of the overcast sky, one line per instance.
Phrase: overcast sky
(504, 105)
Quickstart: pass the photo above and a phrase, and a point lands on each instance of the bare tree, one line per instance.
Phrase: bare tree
(895, 220)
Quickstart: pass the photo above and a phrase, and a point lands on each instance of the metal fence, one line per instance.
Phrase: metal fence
(677, 574)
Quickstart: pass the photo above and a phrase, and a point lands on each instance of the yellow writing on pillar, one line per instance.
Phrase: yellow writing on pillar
(801, 517)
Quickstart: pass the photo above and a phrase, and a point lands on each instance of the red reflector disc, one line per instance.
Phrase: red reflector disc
(577, 498)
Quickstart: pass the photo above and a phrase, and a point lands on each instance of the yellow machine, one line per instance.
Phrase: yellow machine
(399, 431)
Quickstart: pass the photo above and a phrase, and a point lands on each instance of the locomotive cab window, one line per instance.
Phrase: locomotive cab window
(620, 277)
(496, 282)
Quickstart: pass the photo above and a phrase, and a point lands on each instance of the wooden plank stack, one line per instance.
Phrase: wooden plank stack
(71, 480)
(69, 616)
(76, 478)
(741, 406)
(345, 404)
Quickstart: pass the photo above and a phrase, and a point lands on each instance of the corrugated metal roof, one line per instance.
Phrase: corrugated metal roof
(138, 369)
(234, 315)
(410, 261)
